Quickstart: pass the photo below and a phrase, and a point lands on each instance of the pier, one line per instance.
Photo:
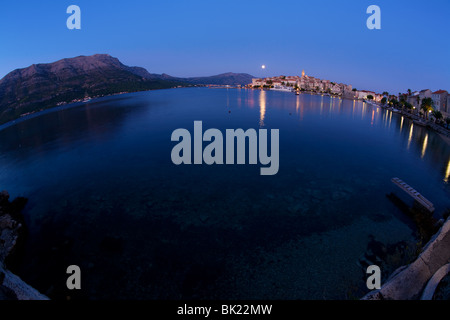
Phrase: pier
(424, 202)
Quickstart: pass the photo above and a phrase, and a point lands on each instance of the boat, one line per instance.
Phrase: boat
(87, 98)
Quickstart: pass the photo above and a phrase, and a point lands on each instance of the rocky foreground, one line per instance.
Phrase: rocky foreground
(11, 233)
(407, 283)
(419, 279)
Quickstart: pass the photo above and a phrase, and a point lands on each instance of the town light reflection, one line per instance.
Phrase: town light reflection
(447, 173)
(410, 135)
(353, 111)
(262, 108)
(390, 119)
(424, 146)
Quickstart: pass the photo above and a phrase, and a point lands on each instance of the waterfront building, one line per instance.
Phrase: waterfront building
(446, 113)
(440, 100)
(414, 99)
(257, 82)
(308, 83)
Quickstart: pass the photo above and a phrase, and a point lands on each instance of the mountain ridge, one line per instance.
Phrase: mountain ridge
(45, 85)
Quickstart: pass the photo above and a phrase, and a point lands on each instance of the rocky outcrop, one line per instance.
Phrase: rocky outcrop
(14, 288)
(408, 282)
(11, 231)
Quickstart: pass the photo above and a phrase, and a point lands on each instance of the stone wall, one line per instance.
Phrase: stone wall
(408, 282)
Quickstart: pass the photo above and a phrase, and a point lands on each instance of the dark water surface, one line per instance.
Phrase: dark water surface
(104, 195)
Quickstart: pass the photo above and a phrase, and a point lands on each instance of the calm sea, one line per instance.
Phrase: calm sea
(104, 195)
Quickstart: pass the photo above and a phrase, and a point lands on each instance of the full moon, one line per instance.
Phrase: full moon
(263, 66)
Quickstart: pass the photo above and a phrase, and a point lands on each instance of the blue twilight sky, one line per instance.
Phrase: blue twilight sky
(327, 38)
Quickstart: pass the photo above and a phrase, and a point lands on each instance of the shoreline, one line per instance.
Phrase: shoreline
(410, 282)
(441, 131)
(12, 231)
(67, 106)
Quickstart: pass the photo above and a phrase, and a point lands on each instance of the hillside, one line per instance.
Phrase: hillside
(221, 79)
(43, 86)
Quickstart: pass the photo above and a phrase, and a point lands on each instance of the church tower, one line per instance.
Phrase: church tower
(303, 73)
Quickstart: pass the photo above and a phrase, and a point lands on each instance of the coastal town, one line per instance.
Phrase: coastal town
(425, 107)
